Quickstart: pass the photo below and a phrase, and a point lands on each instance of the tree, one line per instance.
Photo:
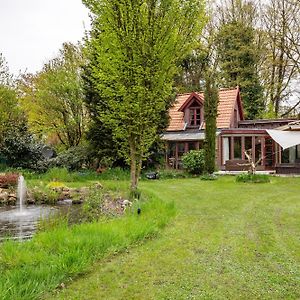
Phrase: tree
(5, 76)
(21, 150)
(53, 98)
(137, 45)
(280, 22)
(238, 61)
(191, 70)
(10, 112)
(211, 100)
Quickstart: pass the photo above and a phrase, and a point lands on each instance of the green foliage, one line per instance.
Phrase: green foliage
(92, 205)
(54, 256)
(210, 115)
(115, 174)
(253, 178)
(74, 158)
(133, 53)
(238, 62)
(56, 184)
(44, 195)
(194, 161)
(10, 113)
(60, 174)
(5, 77)
(53, 98)
(192, 69)
(21, 150)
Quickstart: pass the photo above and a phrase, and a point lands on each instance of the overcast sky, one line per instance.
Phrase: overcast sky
(32, 31)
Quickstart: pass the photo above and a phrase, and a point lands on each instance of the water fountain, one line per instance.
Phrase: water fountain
(21, 193)
(20, 222)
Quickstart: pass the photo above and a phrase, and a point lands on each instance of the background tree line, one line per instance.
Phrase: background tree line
(256, 46)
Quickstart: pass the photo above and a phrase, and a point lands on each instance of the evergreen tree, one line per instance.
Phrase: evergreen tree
(211, 100)
(238, 63)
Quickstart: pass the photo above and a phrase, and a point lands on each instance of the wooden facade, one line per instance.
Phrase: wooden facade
(263, 149)
(234, 136)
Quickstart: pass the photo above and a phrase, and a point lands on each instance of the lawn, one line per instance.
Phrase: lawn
(228, 241)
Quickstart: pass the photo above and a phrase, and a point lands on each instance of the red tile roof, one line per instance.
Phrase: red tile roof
(227, 101)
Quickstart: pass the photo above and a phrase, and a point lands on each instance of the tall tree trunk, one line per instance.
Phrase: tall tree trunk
(134, 166)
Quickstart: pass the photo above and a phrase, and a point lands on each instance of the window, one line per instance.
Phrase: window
(248, 143)
(226, 149)
(172, 149)
(181, 148)
(237, 146)
(195, 116)
(192, 146)
(298, 152)
(258, 154)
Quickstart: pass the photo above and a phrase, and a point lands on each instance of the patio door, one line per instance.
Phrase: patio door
(269, 153)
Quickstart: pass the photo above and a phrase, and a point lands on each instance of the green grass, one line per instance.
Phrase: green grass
(229, 241)
(51, 258)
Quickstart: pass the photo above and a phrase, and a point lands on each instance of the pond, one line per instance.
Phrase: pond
(21, 225)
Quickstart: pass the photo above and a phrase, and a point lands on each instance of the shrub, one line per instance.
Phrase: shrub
(20, 150)
(44, 195)
(253, 178)
(193, 161)
(115, 174)
(56, 185)
(92, 205)
(9, 180)
(75, 158)
(59, 174)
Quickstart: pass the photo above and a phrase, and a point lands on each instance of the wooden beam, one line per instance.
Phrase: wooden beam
(231, 147)
(243, 147)
(263, 151)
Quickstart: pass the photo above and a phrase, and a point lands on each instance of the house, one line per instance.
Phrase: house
(234, 135)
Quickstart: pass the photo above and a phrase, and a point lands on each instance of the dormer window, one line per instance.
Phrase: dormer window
(195, 116)
(193, 111)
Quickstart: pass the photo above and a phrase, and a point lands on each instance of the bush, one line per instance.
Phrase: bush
(59, 174)
(253, 178)
(115, 174)
(44, 195)
(56, 185)
(92, 205)
(193, 161)
(75, 158)
(20, 150)
(9, 180)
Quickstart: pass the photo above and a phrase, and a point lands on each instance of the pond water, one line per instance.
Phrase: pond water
(21, 225)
